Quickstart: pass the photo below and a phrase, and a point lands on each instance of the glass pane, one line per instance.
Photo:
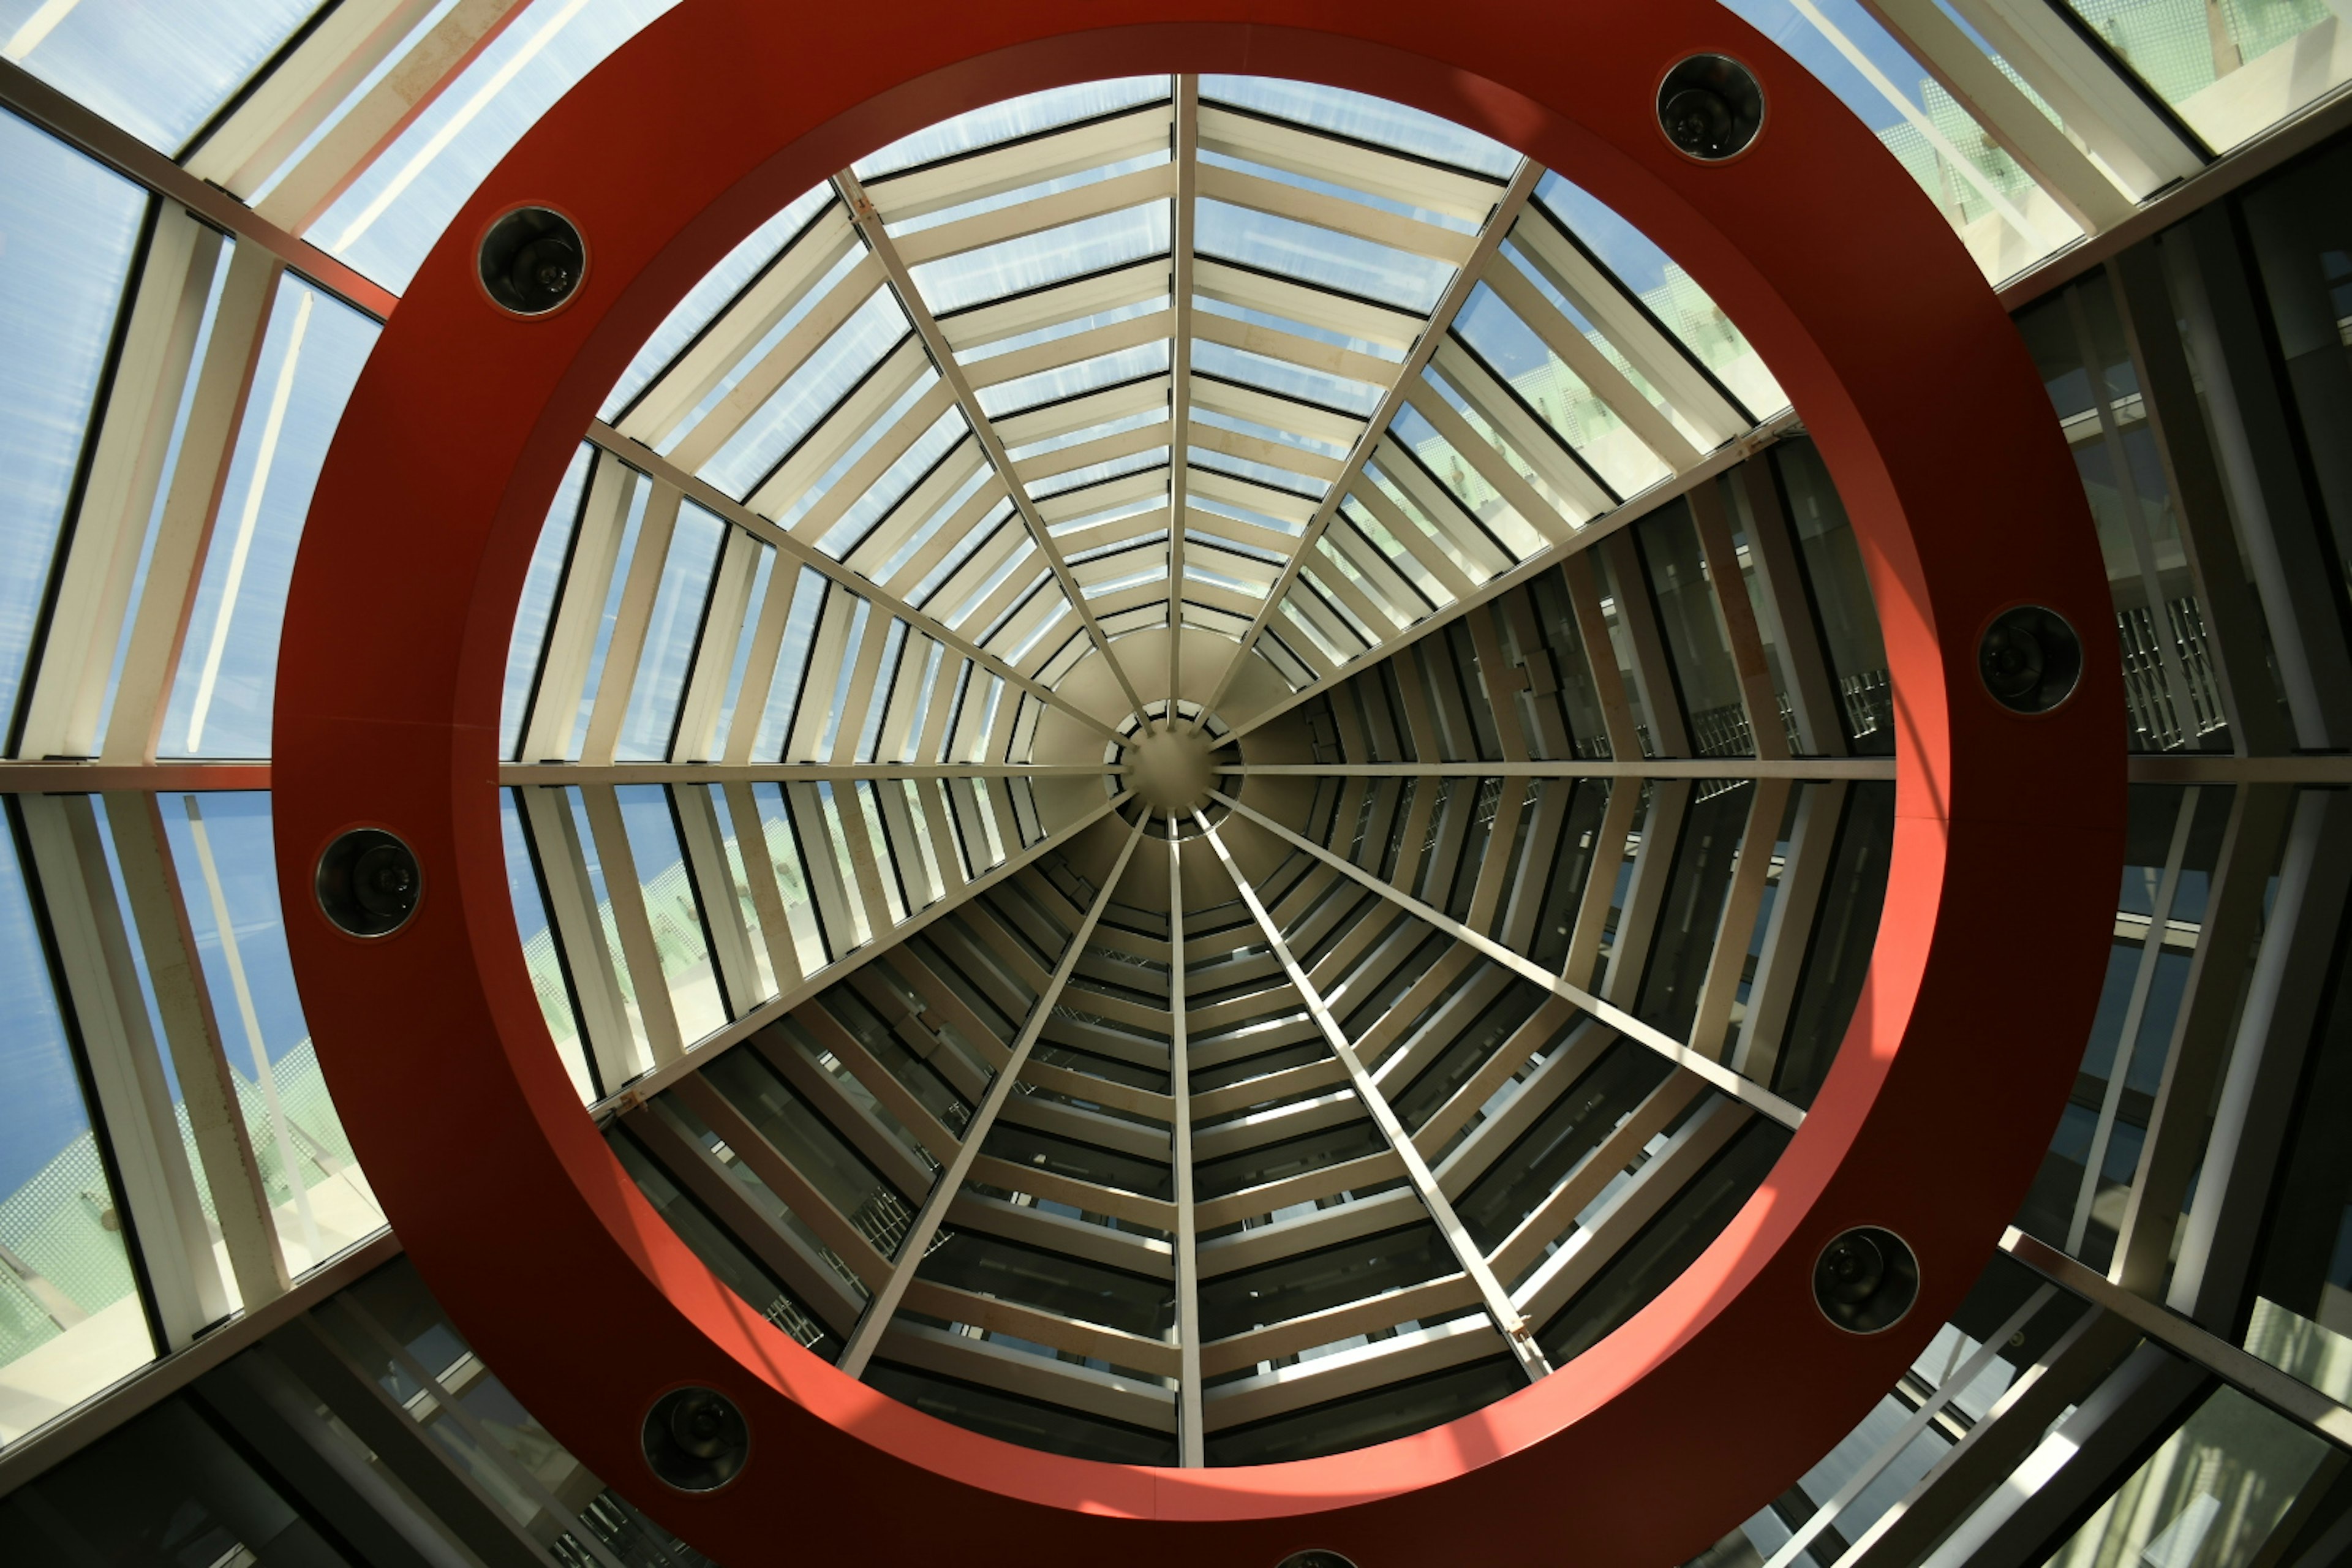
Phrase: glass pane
(639, 1052)
(539, 950)
(70, 1318)
(2171, 697)
(1014, 117)
(2210, 1497)
(1668, 293)
(670, 894)
(538, 607)
(2232, 68)
(391, 1327)
(227, 864)
(1696, 640)
(775, 827)
(671, 636)
(398, 206)
(228, 678)
(2006, 220)
(2301, 225)
(158, 71)
(705, 302)
(69, 228)
(1841, 585)
(1365, 119)
(166, 1488)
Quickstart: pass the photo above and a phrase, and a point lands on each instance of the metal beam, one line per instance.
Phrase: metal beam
(943, 357)
(522, 774)
(1743, 1090)
(883, 1306)
(1515, 1329)
(1441, 317)
(2287, 1394)
(1664, 493)
(699, 1055)
(1179, 406)
(1585, 768)
(1189, 1435)
(639, 455)
(101, 139)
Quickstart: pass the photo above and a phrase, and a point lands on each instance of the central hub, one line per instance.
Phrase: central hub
(1169, 770)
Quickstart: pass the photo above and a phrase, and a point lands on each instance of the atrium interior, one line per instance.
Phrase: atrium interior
(1199, 776)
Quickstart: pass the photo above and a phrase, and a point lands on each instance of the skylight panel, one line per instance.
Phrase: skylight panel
(1667, 292)
(1006, 399)
(1014, 117)
(1365, 119)
(1117, 548)
(1571, 507)
(1023, 549)
(1249, 316)
(981, 353)
(658, 682)
(1559, 396)
(1218, 542)
(954, 502)
(1133, 507)
(1286, 480)
(391, 216)
(1217, 420)
(1090, 433)
(809, 395)
(1195, 571)
(1216, 506)
(1320, 256)
(669, 431)
(1373, 200)
(928, 451)
(1409, 508)
(707, 298)
(161, 72)
(537, 608)
(1036, 260)
(998, 516)
(71, 226)
(1094, 473)
(222, 700)
(1029, 193)
(791, 493)
(1279, 376)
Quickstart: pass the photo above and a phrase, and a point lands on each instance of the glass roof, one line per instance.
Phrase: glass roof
(1293, 426)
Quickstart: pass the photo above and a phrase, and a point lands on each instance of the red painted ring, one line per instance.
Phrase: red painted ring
(1669, 1432)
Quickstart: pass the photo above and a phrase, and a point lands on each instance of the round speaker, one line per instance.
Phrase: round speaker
(2029, 659)
(1866, 1279)
(1314, 1559)
(532, 260)
(1710, 108)
(369, 882)
(695, 1440)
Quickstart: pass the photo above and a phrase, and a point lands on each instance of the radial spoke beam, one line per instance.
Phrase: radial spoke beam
(883, 1306)
(1666, 492)
(1582, 768)
(1449, 304)
(1189, 1435)
(701, 1054)
(1633, 1028)
(943, 356)
(1515, 1330)
(647, 461)
(1180, 366)
(527, 774)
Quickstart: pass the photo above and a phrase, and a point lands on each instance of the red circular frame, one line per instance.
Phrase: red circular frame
(1671, 1430)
